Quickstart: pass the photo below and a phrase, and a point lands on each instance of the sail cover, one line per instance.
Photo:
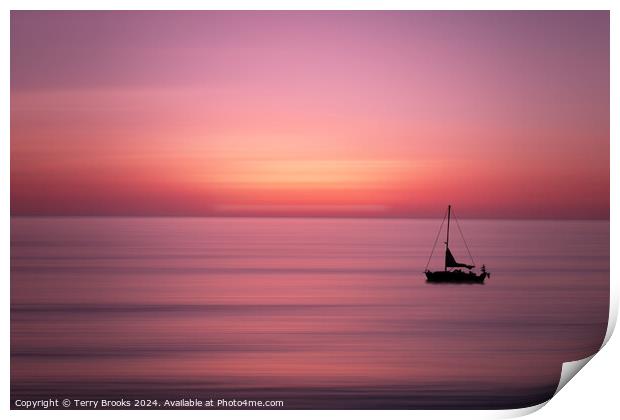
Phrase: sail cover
(451, 262)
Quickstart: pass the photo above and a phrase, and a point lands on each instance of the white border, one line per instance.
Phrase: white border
(591, 395)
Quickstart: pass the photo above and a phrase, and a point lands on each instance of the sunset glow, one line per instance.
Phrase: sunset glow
(383, 114)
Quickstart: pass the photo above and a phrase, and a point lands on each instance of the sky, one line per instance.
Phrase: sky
(347, 114)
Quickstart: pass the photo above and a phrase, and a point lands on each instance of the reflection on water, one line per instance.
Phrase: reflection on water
(319, 313)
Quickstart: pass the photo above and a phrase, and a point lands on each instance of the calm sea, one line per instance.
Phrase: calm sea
(318, 313)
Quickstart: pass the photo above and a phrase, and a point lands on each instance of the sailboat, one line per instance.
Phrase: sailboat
(452, 272)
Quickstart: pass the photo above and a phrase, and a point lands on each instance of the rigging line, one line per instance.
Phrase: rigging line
(463, 237)
(436, 239)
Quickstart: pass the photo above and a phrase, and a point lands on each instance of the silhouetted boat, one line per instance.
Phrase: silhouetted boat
(452, 272)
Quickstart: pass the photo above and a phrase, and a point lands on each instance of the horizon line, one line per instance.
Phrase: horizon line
(161, 216)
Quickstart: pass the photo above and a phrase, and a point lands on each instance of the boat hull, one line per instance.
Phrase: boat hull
(455, 277)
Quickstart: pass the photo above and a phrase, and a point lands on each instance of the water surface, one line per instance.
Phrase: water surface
(319, 313)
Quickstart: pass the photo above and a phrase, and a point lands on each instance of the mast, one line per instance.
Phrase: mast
(445, 268)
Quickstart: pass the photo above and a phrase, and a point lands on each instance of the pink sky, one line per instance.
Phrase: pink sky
(502, 114)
